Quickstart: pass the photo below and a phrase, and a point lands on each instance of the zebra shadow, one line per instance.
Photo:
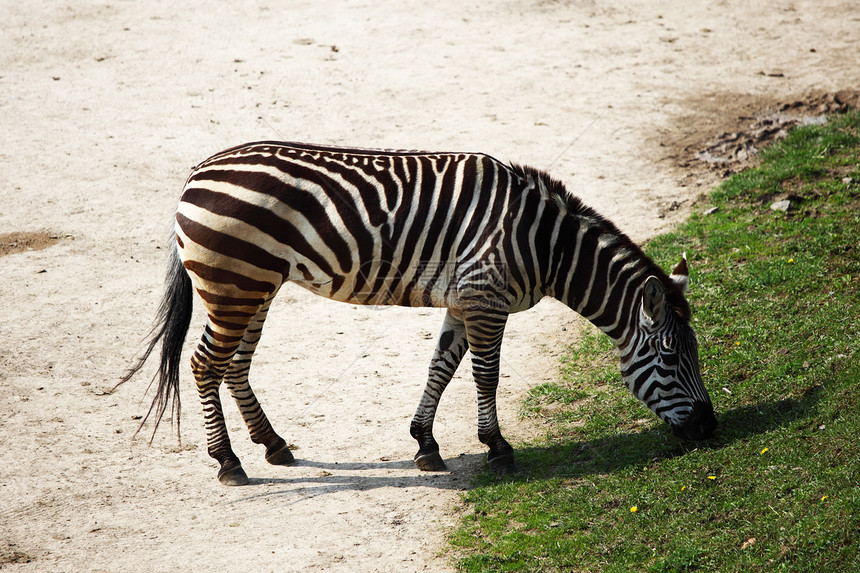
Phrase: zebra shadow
(305, 478)
(562, 458)
(572, 458)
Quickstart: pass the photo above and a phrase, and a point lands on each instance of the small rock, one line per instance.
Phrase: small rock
(848, 180)
(784, 206)
(711, 211)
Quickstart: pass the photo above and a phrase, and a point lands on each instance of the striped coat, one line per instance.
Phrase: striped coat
(455, 230)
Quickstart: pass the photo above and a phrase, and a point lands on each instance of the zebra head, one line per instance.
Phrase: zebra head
(660, 363)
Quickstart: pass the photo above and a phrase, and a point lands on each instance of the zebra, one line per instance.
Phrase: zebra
(462, 231)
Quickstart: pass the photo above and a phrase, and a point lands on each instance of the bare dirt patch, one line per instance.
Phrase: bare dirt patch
(9, 554)
(19, 242)
(724, 133)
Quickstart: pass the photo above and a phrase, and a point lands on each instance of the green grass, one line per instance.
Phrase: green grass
(776, 303)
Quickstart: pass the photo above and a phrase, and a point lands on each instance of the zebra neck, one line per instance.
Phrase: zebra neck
(600, 274)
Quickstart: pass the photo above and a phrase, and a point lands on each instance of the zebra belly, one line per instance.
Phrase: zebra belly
(379, 283)
(375, 290)
(415, 299)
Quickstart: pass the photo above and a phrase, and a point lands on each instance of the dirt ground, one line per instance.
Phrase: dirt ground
(106, 107)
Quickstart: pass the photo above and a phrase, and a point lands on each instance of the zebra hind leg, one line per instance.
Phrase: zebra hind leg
(236, 378)
(223, 336)
(450, 348)
(208, 374)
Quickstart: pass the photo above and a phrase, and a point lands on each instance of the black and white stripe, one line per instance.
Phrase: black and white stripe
(456, 230)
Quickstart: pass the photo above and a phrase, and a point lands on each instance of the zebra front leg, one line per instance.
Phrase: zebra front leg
(450, 348)
(236, 378)
(484, 329)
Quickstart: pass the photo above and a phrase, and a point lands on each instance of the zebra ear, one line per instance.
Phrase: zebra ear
(681, 274)
(653, 299)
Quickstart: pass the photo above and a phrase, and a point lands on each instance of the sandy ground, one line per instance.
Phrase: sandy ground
(106, 107)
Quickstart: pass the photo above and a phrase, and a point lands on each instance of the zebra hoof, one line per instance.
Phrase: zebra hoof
(281, 457)
(233, 476)
(431, 462)
(502, 463)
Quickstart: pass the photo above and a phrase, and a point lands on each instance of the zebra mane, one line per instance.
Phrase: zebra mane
(554, 190)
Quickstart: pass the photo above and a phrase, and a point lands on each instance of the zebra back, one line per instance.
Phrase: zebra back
(360, 226)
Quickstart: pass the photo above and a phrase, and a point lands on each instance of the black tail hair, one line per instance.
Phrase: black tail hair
(171, 326)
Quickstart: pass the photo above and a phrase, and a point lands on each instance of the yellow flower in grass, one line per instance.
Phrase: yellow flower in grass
(764, 450)
(634, 509)
(712, 477)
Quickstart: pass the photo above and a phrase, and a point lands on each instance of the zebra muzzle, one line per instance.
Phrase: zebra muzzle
(699, 425)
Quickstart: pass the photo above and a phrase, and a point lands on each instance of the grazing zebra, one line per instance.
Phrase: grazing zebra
(456, 230)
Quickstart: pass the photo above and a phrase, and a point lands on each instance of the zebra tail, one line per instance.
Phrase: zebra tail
(171, 326)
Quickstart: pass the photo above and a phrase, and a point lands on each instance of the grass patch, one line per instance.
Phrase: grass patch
(776, 302)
